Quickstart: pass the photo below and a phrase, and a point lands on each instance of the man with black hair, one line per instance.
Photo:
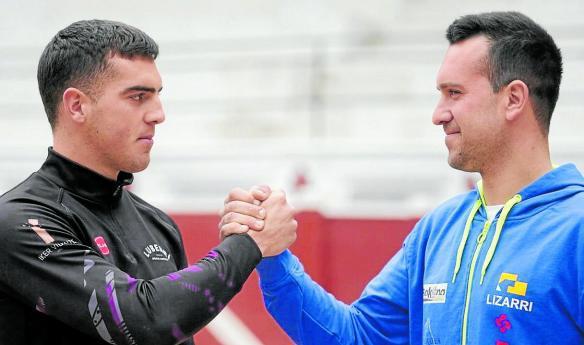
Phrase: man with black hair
(83, 260)
(502, 264)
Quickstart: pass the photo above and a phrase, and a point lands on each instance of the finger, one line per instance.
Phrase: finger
(232, 228)
(260, 192)
(277, 197)
(239, 194)
(245, 208)
(251, 222)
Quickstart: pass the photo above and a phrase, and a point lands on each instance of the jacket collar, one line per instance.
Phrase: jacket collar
(81, 180)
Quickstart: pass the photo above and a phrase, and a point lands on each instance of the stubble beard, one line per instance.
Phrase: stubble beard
(464, 160)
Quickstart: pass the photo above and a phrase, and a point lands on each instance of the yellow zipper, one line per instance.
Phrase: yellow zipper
(475, 256)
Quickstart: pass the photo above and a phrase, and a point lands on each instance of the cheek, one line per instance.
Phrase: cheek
(113, 135)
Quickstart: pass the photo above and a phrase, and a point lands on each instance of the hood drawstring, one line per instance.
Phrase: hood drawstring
(502, 218)
(464, 239)
(491, 251)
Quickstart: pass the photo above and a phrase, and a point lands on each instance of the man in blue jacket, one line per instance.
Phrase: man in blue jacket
(502, 264)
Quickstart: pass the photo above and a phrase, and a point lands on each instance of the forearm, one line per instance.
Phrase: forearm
(310, 315)
(173, 307)
(170, 308)
(307, 313)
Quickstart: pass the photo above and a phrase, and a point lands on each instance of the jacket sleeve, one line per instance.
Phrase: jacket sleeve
(44, 265)
(310, 315)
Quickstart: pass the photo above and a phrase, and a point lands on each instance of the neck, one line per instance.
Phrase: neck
(80, 154)
(506, 176)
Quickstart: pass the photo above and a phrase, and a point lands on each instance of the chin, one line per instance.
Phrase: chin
(459, 163)
(456, 161)
(136, 167)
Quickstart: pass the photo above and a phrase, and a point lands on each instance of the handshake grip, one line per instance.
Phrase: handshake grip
(265, 215)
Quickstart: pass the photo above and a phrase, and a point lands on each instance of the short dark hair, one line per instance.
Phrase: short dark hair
(78, 56)
(520, 49)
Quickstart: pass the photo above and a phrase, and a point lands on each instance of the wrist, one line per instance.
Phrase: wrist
(258, 242)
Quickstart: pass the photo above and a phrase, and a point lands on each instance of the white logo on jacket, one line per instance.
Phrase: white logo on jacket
(435, 293)
(155, 252)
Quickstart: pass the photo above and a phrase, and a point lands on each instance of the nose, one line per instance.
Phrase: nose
(441, 115)
(156, 114)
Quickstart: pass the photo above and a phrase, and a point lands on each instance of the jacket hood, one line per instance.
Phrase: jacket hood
(558, 184)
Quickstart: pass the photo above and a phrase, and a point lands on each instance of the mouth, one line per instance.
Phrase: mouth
(148, 135)
(450, 130)
(147, 139)
(452, 135)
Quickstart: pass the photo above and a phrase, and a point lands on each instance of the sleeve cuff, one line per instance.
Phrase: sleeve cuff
(241, 251)
(275, 268)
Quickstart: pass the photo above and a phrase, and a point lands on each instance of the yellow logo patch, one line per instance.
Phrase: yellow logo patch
(518, 288)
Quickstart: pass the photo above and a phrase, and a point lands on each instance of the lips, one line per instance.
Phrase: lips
(452, 135)
(146, 140)
(451, 130)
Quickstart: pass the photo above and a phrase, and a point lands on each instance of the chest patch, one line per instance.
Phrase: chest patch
(435, 293)
(155, 252)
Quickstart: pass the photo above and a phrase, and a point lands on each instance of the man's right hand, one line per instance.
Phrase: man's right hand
(265, 212)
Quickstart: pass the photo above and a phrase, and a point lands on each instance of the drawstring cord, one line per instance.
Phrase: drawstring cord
(502, 218)
(464, 239)
(491, 251)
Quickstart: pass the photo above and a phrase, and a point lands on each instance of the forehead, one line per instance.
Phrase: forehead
(136, 71)
(464, 61)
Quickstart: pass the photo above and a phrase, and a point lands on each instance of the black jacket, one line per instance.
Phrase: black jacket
(84, 261)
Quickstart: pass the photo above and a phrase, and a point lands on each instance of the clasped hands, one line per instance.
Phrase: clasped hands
(264, 214)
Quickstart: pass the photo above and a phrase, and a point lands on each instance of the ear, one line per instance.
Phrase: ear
(516, 99)
(75, 104)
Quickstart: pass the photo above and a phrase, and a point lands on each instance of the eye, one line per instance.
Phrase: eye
(453, 92)
(138, 97)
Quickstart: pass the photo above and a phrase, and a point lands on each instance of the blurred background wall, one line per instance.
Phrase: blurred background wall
(330, 100)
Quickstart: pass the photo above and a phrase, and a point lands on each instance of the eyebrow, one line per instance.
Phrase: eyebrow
(446, 85)
(143, 88)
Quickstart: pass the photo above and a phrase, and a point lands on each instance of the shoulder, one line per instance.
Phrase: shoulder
(27, 223)
(34, 189)
(151, 210)
(450, 212)
(452, 208)
(33, 198)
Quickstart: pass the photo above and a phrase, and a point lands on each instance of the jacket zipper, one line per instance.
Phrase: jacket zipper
(475, 256)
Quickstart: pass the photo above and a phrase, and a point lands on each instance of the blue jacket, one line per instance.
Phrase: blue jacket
(458, 279)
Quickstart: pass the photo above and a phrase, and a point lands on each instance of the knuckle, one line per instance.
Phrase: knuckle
(238, 207)
(255, 223)
(231, 228)
(252, 209)
(231, 196)
(236, 228)
(224, 231)
(235, 194)
(265, 188)
(229, 217)
(228, 208)
(256, 188)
